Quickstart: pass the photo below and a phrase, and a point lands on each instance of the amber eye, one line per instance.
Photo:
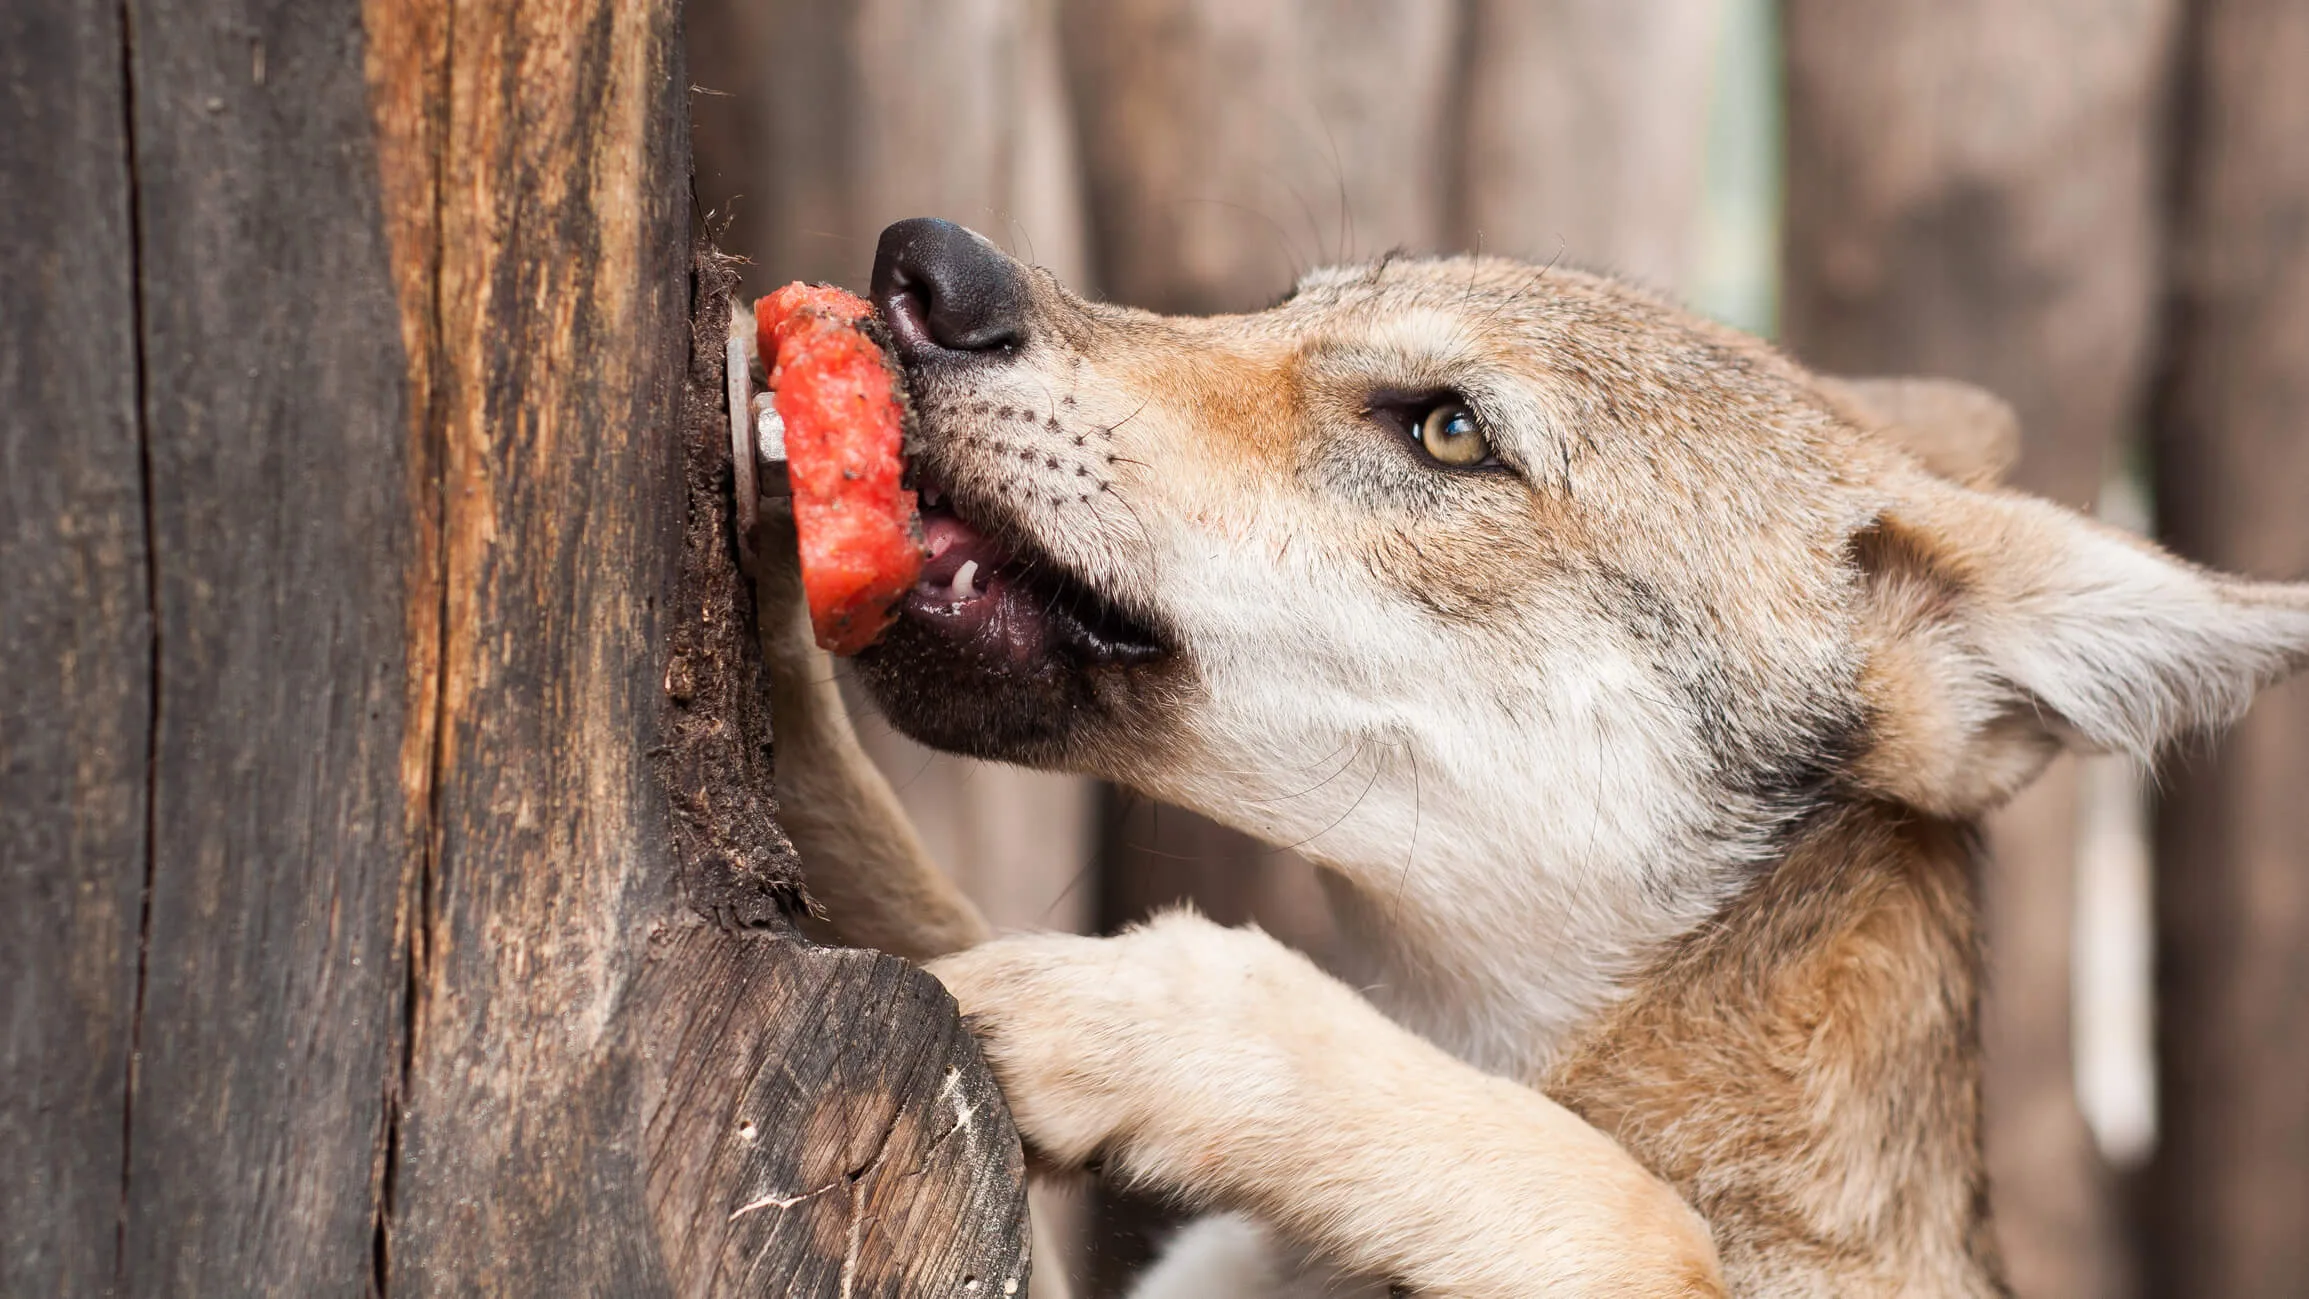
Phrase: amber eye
(1449, 433)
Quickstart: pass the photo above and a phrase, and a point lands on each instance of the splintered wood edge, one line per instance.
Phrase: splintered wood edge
(738, 363)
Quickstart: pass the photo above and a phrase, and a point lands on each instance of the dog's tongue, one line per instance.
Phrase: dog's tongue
(970, 589)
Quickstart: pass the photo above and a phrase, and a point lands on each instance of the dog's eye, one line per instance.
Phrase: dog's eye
(1449, 433)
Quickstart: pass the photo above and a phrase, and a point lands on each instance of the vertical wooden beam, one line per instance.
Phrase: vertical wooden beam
(1972, 192)
(274, 408)
(1229, 147)
(1584, 126)
(557, 339)
(2228, 1196)
(75, 645)
(831, 121)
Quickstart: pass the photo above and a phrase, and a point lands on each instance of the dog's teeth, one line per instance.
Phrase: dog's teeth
(963, 590)
(939, 544)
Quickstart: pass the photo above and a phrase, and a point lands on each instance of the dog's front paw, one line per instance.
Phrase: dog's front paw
(1125, 1048)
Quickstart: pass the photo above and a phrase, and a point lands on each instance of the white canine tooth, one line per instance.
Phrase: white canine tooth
(963, 590)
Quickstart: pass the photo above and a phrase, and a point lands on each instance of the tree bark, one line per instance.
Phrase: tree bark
(386, 762)
(2227, 1198)
(1972, 193)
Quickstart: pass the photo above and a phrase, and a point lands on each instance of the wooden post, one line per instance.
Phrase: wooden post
(1229, 147)
(2227, 1199)
(1972, 193)
(386, 816)
(1582, 133)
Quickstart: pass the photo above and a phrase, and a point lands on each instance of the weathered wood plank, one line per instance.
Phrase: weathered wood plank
(274, 412)
(558, 312)
(1972, 192)
(416, 371)
(75, 645)
(2228, 1194)
(592, 1012)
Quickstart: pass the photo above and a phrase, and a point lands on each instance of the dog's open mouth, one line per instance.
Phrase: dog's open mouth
(991, 593)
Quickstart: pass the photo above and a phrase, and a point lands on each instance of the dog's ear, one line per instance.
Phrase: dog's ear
(2001, 627)
(1966, 434)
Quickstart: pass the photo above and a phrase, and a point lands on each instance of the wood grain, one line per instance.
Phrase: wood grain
(558, 308)
(586, 1106)
(274, 414)
(2228, 1194)
(824, 1126)
(75, 646)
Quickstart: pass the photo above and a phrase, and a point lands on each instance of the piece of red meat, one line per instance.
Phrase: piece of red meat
(860, 535)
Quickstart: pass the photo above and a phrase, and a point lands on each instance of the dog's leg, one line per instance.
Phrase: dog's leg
(864, 862)
(1218, 1065)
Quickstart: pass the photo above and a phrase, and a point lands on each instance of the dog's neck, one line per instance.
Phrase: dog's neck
(1499, 970)
(1812, 1054)
(1495, 900)
(1807, 1050)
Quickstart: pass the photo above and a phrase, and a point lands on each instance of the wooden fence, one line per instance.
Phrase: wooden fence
(388, 900)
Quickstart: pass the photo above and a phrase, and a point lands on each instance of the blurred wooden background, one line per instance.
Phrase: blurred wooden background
(2098, 208)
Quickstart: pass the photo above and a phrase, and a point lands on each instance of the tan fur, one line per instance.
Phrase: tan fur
(1806, 1069)
(1645, 762)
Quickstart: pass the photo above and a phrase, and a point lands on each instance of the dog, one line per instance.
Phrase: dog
(1640, 692)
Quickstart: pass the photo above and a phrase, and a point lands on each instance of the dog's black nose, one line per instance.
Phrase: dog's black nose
(943, 289)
